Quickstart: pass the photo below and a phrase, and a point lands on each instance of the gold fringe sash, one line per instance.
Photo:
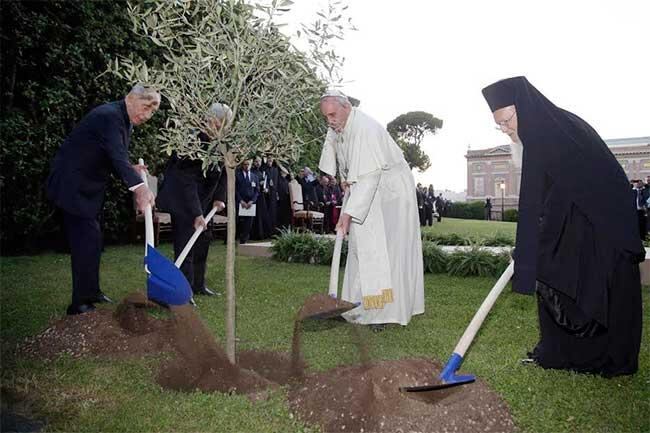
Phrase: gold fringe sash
(377, 302)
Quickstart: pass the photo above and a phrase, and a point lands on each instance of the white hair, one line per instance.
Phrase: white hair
(147, 93)
(220, 111)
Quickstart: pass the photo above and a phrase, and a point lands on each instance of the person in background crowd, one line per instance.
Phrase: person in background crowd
(419, 195)
(429, 204)
(284, 199)
(488, 209)
(641, 195)
(246, 194)
(441, 206)
(272, 176)
(337, 200)
(324, 196)
(261, 222)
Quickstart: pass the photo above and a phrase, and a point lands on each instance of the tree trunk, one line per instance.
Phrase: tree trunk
(230, 165)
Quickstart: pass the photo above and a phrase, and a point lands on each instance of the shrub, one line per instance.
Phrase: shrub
(511, 215)
(303, 247)
(473, 210)
(435, 259)
(472, 262)
(498, 240)
(501, 262)
(445, 238)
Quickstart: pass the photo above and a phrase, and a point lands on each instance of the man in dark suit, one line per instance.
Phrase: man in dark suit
(77, 182)
(246, 192)
(419, 195)
(272, 180)
(641, 200)
(188, 194)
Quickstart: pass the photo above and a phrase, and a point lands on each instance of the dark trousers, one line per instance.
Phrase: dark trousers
(85, 240)
(488, 214)
(245, 224)
(195, 263)
(428, 215)
(643, 228)
(272, 206)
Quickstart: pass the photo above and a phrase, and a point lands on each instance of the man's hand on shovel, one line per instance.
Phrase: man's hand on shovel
(200, 223)
(144, 197)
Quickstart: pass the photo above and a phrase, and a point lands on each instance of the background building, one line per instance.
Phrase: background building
(491, 173)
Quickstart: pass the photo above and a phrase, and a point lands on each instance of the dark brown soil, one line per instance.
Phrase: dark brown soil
(201, 362)
(127, 331)
(363, 398)
(367, 399)
(323, 306)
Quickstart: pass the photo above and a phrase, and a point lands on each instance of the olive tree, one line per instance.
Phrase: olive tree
(233, 52)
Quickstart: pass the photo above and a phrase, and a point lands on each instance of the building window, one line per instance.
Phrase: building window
(479, 186)
(497, 186)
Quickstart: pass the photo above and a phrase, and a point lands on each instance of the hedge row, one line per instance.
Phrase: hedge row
(304, 247)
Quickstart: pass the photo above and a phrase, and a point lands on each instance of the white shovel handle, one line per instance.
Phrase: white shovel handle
(336, 261)
(195, 236)
(483, 311)
(148, 214)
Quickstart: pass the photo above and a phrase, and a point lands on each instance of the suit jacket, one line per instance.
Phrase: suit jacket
(186, 192)
(98, 145)
(246, 190)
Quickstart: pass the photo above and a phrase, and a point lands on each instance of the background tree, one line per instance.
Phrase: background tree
(408, 130)
(52, 53)
(233, 52)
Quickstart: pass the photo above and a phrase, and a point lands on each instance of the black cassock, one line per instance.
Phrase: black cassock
(261, 223)
(577, 252)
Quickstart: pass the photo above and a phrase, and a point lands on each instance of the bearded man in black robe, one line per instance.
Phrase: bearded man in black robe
(577, 252)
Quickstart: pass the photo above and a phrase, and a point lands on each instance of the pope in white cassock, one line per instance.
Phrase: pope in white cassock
(384, 270)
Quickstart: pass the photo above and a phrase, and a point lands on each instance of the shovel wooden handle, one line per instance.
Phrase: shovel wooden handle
(336, 261)
(195, 236)
(148, 215)
(483, 311)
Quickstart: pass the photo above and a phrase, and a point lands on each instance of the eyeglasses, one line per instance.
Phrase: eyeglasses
(504, 123)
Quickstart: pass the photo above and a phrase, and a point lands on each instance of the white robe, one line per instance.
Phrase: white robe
(384, 269)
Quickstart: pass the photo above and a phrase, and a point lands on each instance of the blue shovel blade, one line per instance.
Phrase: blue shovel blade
(166, 283)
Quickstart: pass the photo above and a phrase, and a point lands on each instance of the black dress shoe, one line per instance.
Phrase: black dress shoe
(80, 309)
(207, 292)
(102, 299)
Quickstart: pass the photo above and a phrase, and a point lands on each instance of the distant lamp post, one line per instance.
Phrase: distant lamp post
(502, 185)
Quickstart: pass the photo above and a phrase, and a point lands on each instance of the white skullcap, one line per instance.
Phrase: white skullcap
(336, 93)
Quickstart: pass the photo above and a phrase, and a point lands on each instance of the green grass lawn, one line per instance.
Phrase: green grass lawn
(472, 227)
(121, 395)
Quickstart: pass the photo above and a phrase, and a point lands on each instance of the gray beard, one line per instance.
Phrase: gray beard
(517, 152)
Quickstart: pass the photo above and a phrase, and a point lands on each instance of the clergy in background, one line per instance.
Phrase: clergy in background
(577, 252)
(384, 270)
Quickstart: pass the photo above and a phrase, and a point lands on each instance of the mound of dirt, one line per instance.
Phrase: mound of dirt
(367, 399)
(129, 331)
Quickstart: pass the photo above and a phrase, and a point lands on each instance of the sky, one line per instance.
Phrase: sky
(589, 57)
